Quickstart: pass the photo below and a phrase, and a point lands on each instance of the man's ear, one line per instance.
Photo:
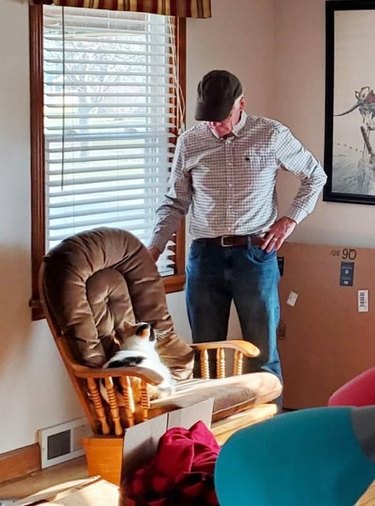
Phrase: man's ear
(242, 104)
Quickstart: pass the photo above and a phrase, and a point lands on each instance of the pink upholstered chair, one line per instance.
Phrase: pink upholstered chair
(359, 391)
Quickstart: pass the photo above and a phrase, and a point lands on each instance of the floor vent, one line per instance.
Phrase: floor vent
(62, 442)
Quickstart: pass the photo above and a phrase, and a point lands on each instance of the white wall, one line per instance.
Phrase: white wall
(240, 38)
(277, 49)
(299, 92)
(34, 388)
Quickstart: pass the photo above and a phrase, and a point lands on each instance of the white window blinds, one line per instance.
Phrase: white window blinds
(110, 120)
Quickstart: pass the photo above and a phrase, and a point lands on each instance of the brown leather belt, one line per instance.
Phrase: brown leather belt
(231, 241)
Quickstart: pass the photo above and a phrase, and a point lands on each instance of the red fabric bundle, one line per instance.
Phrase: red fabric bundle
(181, 471)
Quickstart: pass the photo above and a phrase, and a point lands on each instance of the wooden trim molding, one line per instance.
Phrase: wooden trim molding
(20, 462)
(37, 153)
(181, 8)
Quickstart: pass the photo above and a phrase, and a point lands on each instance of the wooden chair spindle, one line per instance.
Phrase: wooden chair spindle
(205, 367)
(129, 404)
(238, 363)
(98, 405)
(220, 363)
(145, 400)
(113, 406)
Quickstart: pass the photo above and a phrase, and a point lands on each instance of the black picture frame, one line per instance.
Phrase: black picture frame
(349, 152)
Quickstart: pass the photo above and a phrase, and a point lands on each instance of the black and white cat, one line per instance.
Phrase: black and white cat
(138, 349)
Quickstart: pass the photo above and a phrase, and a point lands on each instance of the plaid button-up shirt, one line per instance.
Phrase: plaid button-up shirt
(230, 182)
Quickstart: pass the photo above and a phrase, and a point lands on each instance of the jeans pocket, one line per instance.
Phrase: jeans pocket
(261, 255)
(195, 251)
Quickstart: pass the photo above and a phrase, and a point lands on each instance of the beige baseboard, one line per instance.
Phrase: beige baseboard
(20, 462)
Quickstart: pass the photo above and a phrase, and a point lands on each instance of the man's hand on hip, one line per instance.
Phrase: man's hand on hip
(154, 252)
(277, 234)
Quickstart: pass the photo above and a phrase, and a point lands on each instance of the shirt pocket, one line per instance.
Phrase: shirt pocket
(252, 158)
(257, 155)
(261, 166)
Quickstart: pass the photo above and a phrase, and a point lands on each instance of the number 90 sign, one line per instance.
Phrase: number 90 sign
(346, 253)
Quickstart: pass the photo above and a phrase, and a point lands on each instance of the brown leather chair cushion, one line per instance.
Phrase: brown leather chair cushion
(96, 280)
(231, 395)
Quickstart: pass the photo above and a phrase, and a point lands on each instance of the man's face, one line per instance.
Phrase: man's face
(225, 127)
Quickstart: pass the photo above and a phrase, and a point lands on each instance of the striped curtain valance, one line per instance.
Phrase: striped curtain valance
(180, 8)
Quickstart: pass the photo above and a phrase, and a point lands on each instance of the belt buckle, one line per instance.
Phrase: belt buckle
(222, 241)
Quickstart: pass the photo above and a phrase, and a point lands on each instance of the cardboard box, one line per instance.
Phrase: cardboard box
(326, 336)
(105, 455)
(141, 441)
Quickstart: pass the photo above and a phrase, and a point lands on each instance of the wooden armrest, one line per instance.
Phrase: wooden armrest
(148, 375)
(248, 349)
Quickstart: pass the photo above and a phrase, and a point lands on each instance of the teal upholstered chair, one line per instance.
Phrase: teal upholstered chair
(313, 457)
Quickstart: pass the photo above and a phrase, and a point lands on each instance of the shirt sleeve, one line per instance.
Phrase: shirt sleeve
(176, 202)
(293, 157)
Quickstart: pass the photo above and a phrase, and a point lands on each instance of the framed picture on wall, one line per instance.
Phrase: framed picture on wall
(349, 156)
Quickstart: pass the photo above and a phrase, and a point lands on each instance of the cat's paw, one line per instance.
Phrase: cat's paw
(160, 391)
(172, 389)
(166, 391)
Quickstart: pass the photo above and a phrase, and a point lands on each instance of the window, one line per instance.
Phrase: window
(107, 102)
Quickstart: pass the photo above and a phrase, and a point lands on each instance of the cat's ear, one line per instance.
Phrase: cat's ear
(143, 330)
(152, 337)
(125, 330)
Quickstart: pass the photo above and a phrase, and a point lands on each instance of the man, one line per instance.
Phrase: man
(225, 168)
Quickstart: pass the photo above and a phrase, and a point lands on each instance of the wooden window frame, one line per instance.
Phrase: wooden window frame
(174, 283)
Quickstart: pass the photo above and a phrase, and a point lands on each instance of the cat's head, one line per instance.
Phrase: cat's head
(145, 331)
(140, 331)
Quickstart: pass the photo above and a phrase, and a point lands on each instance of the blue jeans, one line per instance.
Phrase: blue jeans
(248, 276)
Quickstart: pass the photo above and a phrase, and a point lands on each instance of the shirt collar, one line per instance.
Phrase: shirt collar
(237, 127)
